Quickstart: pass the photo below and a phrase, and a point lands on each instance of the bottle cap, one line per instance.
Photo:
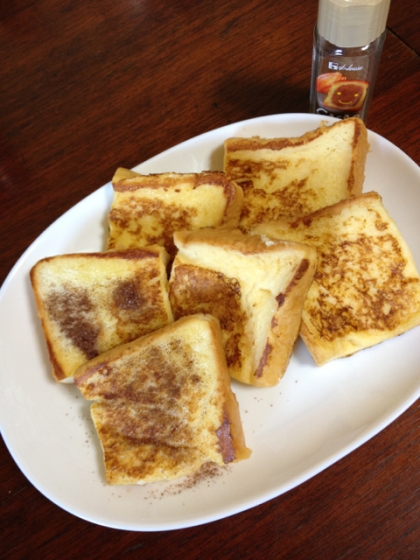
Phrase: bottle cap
(352, 23)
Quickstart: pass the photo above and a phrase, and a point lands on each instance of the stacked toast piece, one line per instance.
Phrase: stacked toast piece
(256, 287)
(366, 288)
(212, 276)
(163, 403)
(287, 177)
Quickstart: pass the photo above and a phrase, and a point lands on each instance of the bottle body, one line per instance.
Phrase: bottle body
(343, 78)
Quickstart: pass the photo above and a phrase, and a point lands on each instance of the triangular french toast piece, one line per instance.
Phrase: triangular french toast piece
(147, 209)
(287, 177)
(164, 405)
(256, 288)
(91, 302)
(366, 288)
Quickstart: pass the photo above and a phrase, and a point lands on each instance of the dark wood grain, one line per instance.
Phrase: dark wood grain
(404, 19)
(88, 86)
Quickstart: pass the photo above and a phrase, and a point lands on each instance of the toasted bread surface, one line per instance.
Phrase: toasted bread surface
(163, 403)
(254, 286)
(90, 302)
(147, 209)
(366, 288)
(286, 177)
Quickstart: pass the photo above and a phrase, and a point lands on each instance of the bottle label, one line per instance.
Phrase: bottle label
(343, 78)
(338, 93)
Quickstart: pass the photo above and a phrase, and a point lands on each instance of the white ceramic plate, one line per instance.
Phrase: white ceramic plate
(311, 419)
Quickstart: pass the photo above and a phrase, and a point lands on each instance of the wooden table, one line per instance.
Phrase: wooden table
(89, 86)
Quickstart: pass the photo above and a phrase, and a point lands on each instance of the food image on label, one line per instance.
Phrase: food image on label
(338, 93)
(325, 81)
(348, 95)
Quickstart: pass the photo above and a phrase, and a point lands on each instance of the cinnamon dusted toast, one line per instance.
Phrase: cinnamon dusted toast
(256, 288)
(366, 288)
(91, 302)
(287, 177)
(147, 209)
(163, 404)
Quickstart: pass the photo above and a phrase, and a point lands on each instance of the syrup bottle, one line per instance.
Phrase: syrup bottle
(348, 40)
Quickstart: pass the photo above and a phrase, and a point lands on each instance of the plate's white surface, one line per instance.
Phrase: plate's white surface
(311, 419)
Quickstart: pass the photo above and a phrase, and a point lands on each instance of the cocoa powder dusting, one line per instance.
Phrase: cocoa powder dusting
(206, 474)
(126, 295)
(71, 309)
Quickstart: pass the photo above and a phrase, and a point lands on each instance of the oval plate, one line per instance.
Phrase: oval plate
(314, 417)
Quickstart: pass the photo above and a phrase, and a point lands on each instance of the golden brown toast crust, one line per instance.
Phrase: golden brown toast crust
(366, 288)
(147, 209)
(200, 290)
(164, 405)
(280, 177)
(91, 302)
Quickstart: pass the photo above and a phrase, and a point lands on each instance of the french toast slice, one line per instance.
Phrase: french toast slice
(256, 288)
(163, 404)
(147, 209)
(287, 177)
(366, 288)
(90, 302)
